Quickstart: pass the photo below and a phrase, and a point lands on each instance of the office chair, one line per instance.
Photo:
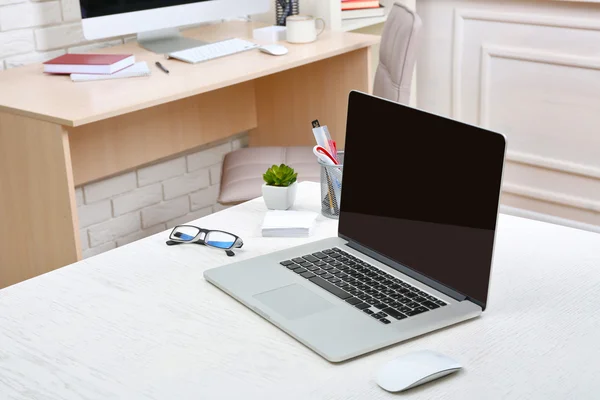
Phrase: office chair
(241, 178)
(397, 55)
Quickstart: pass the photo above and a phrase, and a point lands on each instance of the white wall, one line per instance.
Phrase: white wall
(531, 70)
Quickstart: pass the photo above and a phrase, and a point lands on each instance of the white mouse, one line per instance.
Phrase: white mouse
(414, 369)
(274, 49)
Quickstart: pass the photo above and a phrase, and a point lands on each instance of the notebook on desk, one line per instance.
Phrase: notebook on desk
(136, 70)
(288, 223)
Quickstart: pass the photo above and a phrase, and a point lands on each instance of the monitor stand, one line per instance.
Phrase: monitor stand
(166, 41)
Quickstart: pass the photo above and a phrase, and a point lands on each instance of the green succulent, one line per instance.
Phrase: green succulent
(280, 176)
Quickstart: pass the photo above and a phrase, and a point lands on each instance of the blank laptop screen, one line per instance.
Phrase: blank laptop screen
(423, 191)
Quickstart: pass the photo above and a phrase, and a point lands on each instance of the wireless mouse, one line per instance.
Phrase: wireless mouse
(274, 49)
(415, 369)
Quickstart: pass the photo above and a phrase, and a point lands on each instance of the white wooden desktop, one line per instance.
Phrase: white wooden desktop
(140, 322)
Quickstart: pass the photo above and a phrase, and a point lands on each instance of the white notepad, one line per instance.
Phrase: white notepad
(288, 223)
(137, 69)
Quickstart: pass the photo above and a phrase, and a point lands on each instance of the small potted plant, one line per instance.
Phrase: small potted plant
(279, 189)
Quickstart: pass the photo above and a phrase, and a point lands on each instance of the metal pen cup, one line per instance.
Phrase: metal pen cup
(331, 187)
(285, 8)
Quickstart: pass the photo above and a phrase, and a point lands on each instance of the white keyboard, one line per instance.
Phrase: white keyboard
(213, 50)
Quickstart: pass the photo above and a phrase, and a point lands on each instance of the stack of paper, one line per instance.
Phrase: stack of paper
(136, 70)
(288, 223)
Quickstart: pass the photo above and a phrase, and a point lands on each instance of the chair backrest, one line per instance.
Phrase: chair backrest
(397, 55)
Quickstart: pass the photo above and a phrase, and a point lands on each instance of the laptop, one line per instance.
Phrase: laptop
(413, 254)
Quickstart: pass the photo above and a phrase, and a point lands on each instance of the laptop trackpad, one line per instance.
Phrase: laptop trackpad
(293, 301)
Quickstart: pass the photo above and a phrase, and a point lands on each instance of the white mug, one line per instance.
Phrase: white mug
(302, 28)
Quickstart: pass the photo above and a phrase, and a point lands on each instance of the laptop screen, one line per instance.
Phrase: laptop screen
(422, 190)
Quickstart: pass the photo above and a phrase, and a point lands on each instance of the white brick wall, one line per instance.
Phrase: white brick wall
(210, 157)
(186, 183)
(113, 229)
(109, 187)
(205, 197)
(162, 171)
(215, 174)
(85, 241)
(137, 199)
(166, 211)
(54, 37)
(34, 31)
(71, 11)
(90, 47)
(125, 208)
(94, 213)
(32, 28)
(79, 197)
(16, 42)
(27, 15)
(36, 57)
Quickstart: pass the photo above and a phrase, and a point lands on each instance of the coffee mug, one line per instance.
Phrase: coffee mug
(303, 28)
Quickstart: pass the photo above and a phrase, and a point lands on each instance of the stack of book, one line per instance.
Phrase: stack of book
(352, 9)
(93, 67)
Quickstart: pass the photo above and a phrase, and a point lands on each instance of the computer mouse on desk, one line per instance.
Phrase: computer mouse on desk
(274, 49)
(415, 369)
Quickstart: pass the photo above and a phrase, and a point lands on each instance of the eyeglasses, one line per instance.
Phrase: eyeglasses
(192, 234)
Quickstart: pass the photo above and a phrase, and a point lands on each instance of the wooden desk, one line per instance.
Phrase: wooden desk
(140, 322)
(55, 134)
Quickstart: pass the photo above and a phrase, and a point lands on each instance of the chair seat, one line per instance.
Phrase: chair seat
(241, 178)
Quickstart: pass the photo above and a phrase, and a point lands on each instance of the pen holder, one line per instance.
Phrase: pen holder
(331, 187)
(285, 8)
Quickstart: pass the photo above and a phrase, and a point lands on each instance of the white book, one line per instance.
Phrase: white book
(137, 69)
(288, 223)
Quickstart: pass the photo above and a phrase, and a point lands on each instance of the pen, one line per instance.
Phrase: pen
(159, 65)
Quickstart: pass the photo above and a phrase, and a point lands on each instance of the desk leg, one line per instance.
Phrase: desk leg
(288, 101)
(38, 212)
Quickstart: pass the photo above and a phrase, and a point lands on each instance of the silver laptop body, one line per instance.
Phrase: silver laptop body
(289, 289)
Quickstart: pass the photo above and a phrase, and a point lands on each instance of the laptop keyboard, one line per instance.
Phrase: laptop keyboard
(362, 285)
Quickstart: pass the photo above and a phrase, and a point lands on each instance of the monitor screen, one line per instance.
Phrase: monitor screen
(422, 190)
(98, 8)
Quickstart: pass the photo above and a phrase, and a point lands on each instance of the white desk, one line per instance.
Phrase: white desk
(140, 322)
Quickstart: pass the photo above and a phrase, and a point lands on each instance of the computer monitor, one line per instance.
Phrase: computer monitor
(157, 22)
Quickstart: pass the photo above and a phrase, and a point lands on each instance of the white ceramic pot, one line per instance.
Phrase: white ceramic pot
(279, 198)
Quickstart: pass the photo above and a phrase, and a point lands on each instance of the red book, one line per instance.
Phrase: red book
(357, 4)
(89, 63)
